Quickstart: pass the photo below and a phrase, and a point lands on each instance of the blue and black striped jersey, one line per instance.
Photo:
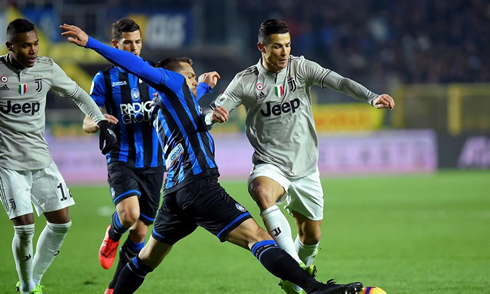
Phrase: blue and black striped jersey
(128, 98)
(187, 145)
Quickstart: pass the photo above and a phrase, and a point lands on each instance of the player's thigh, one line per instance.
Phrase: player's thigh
(210, 206)
(49, 190)
(15, 194)
(151, 189)
(171, 225)
(269, 179)
(305, 196)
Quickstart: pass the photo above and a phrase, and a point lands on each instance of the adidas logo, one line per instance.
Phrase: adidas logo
(4, 87)
(261, 95)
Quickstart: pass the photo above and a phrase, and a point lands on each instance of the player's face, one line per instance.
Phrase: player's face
(190, 76)
(24, 48)
(130, 42)
(276, 51)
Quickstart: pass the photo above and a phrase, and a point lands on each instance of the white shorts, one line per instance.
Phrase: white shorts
(304, 195)
(45, 188)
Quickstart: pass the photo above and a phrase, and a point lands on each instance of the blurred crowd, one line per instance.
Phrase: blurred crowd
(418, 41)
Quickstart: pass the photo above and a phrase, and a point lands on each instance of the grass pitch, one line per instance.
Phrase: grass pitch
(405, 234)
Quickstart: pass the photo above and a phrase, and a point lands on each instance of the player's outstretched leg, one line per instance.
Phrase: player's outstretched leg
(278, 262)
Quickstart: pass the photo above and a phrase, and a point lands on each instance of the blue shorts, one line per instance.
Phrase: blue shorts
(201, 203)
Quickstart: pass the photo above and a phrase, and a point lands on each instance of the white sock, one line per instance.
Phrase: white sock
(278, 227)
(307, 253)
(47, 248)
(22, 250)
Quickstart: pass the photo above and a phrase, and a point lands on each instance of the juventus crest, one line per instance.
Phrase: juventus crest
(292, 84)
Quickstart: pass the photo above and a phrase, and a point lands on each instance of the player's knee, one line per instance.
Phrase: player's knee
(60, 229)
(24, 233)
(129, 216)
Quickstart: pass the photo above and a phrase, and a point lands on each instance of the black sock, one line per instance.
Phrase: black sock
(117, 230)
(127, 252)
(131, 277)
(279, 263)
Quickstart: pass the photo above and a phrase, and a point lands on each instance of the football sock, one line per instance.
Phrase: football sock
(131, 277)
(278, 227)
(307, 253)
(282, 265)
(117, 229)
(22, 250)
(127, 252)
(47, 248)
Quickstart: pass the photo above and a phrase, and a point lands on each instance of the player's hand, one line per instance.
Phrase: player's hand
(383, 101)
(75, 34)
(154, 100)
(210, 78)
(112, 119)
(220, 115)
(107, 138)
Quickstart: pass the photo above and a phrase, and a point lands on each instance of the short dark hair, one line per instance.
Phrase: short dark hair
(124, 25)
(272, 26)
(173, 63)
(18, 26)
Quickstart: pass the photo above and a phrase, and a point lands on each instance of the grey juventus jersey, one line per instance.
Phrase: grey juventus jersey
(279, 120)
(22, 104)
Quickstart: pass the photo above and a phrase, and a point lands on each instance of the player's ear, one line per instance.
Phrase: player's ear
(261, 47)
(9, 45)
(115, 44)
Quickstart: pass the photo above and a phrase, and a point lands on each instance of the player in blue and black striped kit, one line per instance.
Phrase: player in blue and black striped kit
(135, 169)
(193, 196)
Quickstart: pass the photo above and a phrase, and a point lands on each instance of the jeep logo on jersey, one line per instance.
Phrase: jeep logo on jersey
(136, 112)
(16, 108)
(281, 108)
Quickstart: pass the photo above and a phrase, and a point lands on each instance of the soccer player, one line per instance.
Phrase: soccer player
(27, 171)
(281, 129)
(135, 169)
(193, 196)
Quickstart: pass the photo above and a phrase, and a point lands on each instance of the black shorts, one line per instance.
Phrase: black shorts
(201, 203)
(125, 182)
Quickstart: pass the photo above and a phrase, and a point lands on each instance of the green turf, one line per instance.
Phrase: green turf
(406, 234)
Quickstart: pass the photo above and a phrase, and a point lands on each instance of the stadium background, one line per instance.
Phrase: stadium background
(432, 152)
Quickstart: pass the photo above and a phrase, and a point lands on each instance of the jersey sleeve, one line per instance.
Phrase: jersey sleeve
(155, 77)
(318, 75)
(98, 90)
(61, 83)
(232, 97)
(313, 72)
(202, 89)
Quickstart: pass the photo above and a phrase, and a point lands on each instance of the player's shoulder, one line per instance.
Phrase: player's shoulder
(251, 71)
(43, 61)
(297, 60)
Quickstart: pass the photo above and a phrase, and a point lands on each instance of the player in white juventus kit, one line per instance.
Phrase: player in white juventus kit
(281, 129)
(27, 171)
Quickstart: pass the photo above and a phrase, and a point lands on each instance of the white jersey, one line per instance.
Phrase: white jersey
(280, 124)
(22, 104)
